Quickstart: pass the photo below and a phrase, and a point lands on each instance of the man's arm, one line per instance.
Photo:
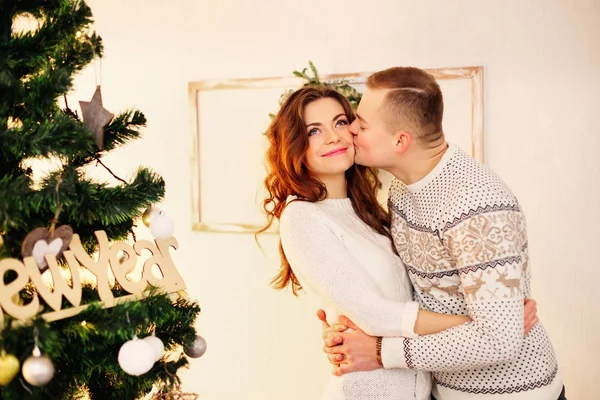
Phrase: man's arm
(362, 348)
(489, 251)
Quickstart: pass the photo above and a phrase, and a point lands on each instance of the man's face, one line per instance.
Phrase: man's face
(373, 141)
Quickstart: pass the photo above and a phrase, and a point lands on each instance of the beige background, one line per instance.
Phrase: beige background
(541, 61)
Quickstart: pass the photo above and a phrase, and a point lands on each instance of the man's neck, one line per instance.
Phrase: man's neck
(418, 164)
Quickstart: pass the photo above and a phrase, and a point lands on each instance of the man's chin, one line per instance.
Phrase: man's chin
(359, 161)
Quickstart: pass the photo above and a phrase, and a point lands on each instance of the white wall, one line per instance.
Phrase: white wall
(541, 61)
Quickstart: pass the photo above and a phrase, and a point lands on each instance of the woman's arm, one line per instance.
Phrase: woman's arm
(319, 259)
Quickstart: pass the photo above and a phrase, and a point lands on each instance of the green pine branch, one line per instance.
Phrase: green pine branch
(124, 128)
(37, 66)
(87, 206)
(58, 135)
(87, 353)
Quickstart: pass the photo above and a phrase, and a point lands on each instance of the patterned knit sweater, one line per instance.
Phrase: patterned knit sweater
(354, 272)
(462, 237)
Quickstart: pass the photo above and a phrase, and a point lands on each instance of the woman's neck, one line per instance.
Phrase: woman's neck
(336, 186)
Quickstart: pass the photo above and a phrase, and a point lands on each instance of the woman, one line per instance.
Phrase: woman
(335, 239)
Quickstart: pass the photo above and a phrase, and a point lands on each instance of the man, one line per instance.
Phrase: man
(462, 237)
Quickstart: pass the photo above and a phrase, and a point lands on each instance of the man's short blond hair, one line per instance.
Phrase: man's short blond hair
(414, 102)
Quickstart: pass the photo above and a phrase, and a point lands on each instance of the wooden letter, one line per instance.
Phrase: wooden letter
(54, 297)
(170, 281)
(99, 268)
(120, 270)
(18, 311)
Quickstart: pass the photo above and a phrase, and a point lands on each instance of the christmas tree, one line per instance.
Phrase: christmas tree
(54, 220)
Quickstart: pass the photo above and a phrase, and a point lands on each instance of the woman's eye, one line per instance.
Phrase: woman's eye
(341, 122)
(313, 131)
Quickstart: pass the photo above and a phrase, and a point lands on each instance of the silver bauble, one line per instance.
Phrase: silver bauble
(197, 348)
(38, 370)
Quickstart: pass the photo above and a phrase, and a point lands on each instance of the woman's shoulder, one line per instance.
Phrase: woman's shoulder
(297, 209)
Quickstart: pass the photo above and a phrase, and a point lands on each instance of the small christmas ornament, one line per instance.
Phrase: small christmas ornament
(9, 368)
(197, 348)
(158, 348)
(42, 241)
(96, 117)
(136, 357)
(150, 213)
(41, 248)
(1, 240)
(162, 226)
(38, 369)
(175, 394)
(14, 123)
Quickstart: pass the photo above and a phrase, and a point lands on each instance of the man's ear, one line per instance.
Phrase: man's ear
(403, 140)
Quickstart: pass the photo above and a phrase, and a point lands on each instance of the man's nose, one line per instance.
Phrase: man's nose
(354, 128)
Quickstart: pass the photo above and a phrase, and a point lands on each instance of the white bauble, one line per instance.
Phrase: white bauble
(38, 370)
(158, 348)
(162, 227)
(136, 357)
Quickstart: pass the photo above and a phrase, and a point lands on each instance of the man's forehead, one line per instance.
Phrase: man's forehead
(371, 100)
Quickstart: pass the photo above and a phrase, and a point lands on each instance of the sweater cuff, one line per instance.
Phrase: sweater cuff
(392, 353)
(409, 319)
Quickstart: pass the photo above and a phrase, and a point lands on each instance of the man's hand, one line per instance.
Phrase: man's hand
(531, 317)
(350, 351)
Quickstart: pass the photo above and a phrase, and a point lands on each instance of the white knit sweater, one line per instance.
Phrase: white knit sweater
(354, 272)
(462, 236)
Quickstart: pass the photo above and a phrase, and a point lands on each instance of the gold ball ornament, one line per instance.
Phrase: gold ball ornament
(1, 240)
(9, 368)
(150, 213)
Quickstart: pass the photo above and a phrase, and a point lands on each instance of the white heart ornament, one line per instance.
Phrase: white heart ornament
(41, 248)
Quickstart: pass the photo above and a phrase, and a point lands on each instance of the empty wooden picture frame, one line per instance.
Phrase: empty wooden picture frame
(229, 118)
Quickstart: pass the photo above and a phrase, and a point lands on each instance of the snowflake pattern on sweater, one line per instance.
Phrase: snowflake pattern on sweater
(462, 237)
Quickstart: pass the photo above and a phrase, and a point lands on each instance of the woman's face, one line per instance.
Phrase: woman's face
(330, 146)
